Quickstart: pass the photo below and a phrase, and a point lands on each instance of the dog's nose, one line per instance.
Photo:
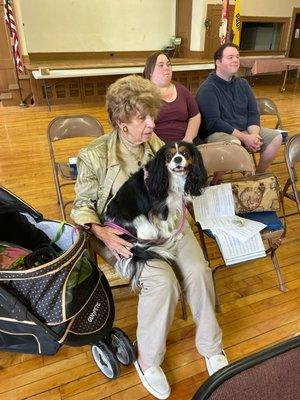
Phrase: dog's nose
(177, 159)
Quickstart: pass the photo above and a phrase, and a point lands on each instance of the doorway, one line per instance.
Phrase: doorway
(212, 24)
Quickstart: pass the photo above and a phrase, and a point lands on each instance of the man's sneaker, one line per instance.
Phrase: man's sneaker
(155, 381)
(214, 363)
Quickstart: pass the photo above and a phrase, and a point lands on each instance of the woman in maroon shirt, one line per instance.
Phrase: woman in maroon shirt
(179, 117)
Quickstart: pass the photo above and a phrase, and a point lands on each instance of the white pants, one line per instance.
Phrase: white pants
(158, 298)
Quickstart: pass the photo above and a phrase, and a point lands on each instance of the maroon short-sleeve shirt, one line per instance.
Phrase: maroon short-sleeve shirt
(172, 120)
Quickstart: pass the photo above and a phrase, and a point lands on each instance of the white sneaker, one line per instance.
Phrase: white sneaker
(214, 363)
(154, 380)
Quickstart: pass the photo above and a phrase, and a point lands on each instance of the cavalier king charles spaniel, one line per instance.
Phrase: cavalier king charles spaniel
(149, 208)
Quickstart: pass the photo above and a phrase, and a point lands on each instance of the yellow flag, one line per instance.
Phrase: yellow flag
(236, 24)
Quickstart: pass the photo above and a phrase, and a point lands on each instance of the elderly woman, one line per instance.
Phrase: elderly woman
(179, 117)
(103, 166)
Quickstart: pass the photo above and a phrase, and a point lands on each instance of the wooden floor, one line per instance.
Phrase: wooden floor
(255, 314)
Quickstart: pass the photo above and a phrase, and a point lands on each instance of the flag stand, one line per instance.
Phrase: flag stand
(223, 29)
(22, 103)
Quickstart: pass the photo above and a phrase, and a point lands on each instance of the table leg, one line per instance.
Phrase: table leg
(46, 94)
(284, 80)
(297, 77)
(248, 74)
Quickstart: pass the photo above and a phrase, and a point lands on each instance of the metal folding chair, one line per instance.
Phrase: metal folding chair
(64, 128)
(267, 106)
(292, 158)
(270, 373)
(233, 158)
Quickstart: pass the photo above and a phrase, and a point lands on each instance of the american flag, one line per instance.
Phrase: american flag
(9, 18)
(223, 31)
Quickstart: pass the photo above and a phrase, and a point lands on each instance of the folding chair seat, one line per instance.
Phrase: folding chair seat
(62, 129)
(224, 156)
(292, 158)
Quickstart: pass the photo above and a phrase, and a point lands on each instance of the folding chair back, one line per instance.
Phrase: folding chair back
(267, 106)
(292, 158)
(63, 128)
(226, 156)
(71, 126)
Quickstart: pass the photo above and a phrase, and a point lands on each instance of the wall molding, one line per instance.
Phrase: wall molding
(88, 55)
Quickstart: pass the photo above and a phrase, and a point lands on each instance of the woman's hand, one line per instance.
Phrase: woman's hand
(111, 238)
(192, 128)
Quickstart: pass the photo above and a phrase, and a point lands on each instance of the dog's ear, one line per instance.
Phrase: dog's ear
(197, 176)
(157, 180)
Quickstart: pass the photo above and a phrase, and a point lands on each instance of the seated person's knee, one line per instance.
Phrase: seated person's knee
(277, 140)
(168, 279)
(161, 275)
(237, 141)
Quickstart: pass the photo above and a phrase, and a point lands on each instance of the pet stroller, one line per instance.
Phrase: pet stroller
(51, 292)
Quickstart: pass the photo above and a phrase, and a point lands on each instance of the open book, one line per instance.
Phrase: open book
(238, 238)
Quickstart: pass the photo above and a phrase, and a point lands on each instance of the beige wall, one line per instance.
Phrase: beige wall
(267, 8)
(119, 25)
(271, 8)
(95, 25)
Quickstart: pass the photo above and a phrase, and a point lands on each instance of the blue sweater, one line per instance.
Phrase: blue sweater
(225, 106)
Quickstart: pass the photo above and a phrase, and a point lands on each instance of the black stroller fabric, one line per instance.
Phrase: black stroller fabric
(26, 235)
(65, 300)
(21, 332)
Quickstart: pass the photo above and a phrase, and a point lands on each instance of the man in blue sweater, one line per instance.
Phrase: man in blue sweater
(229, 111)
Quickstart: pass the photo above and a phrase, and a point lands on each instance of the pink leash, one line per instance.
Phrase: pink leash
(157, 241)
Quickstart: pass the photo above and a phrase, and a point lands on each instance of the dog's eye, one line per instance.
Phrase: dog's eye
(186, 154)
(169, 157)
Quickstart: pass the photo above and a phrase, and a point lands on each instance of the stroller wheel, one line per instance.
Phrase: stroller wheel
(122, 346)
(106, 360)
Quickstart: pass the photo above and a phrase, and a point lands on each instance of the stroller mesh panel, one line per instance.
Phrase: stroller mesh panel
(44, 295)
(69, 235)
(46, 268)
(58, 290)
(59, 296)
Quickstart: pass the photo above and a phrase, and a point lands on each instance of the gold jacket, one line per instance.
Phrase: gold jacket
(98, 167)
